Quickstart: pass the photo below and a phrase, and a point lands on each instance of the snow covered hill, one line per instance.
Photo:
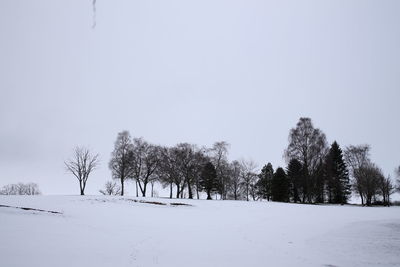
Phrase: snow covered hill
(118, 231)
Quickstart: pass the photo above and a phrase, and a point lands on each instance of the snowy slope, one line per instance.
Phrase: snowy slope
(115, 231)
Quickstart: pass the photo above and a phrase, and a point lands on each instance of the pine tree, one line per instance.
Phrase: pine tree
(318, 181)
(337, 176)
(295, 175)
(208, 180)
(265, 181)
(280, 186)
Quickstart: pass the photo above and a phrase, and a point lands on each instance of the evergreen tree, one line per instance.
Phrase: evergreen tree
(280, 186)
(295, 175)
(208, 179)
(265, 181)
(318, 183)
(337, 176)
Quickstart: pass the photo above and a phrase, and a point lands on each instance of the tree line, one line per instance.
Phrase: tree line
(185, 169)
(20, 189)
(315, 173)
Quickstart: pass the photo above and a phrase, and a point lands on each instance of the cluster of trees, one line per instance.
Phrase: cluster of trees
(20, 189)
(185, 169)
(369, 181)
(316, 172)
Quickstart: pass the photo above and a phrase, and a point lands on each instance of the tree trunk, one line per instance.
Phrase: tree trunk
(209, 195)
(170, 190)
(177, 191)
(122, 186)
(144, 188)
(82, 190)
(137, 190)
(190, 190)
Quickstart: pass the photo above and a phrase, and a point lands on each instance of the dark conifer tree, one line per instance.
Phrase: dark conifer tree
(337, 176)
(265, 181)
(280, 186)
(208, 179)
(318, 183)
(295, 175)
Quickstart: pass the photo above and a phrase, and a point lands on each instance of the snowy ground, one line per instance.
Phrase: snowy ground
(114, 231)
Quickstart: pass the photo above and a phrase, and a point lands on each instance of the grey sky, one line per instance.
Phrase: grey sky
(192, 71)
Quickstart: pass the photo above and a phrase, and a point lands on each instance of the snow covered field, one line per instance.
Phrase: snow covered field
(116, 231)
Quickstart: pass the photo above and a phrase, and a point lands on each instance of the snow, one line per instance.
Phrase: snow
(116, 231)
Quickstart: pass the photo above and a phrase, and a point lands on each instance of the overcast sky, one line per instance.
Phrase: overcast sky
(192, 71)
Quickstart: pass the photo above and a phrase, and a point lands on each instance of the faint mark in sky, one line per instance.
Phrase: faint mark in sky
(94, 14)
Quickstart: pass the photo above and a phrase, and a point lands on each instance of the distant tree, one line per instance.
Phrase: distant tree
(296, 178)
(218, 156)
(249, 178)
(179, 179)
(81, 165)
(152, 182)
(192, 161)
(368, 179)
(121, 163)
(265, 182)
(386, 188)
(144, 161)
(20, 189)
(357, 159)
(208, 181)
(397, 171)
(200, 160)
(337, 176)
(32, 189)
(111, 188)
(308, 145)
(236, 179)
(168, 171)
(280, 186)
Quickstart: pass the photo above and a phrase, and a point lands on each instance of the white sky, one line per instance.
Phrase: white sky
(192, 71)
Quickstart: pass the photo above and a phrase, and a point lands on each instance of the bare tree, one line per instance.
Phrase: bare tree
(121, 159)
(308, 145)
(152, 182)
(81, 165)
(368, 178)
(249, 177)
(191, 163)
(397, 171)
(32, 189)
(357, 157)
(111, 188)
(167, 171)
(145, 161)
(236, 179)
(386, 188)
(179, 179)
(219, 157)
(20, 189)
